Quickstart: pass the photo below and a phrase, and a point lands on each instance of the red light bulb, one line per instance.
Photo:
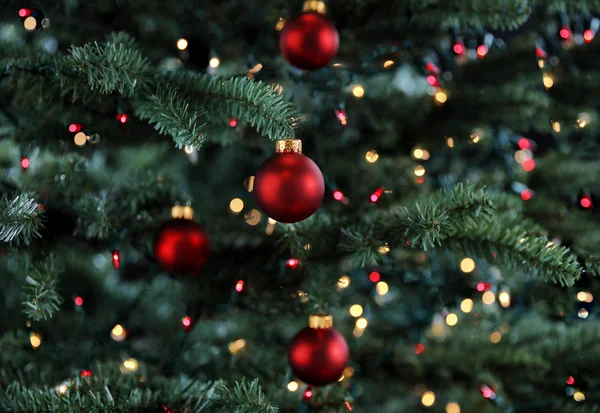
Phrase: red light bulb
(122, 117)
(338, 195)
(528, 165)
(565, 33)
(481, 286)
(526, 195)
(482, 50)
(308, 394)
(78, 301)
(541, 53)
(432, 80)
(588, 36)
(586, 202)
(24, 12)
(374, 277)
(233, 122)
(239, 287)
(571, 380)
(341, 116)
(348, 407)
(74, 127)
(458, 48)
(419, 348)
(524, 143)
(25, 163)
(116, 259)
(376, 195)
(187, 322)
(292, 263)
(432, 68)
(86, 373)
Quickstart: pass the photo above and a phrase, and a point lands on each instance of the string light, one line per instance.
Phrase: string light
(308, 394)
(487, 392)
(74, 127)
(86, 373)
(186, 322)
(341, 116)
(348, 407)
(358, 91)
(233, 122)
(466, 306)
(356, 310)
(451, 319)
(384, 249)
(495, 337)
(467, 265)
(372, 156)
(376, 195)
(548, 81)
(565, 33)
(556, 126)
(579, 396)
(441, 97)
(528, 165)
(522, 155)
(62, 388)
(583, 313)
(583, 119)
(458, 48)
(481, 286)
(588, 36)
(526, 195)
(122, 117)
(239, 286)
(450, 142)
(30, 23)
(419, 170)
(482, 50)
(362, 323)
(280, 24)
(382, 288)
(24, 12)
(428, 399)
(293, 386)
(249, 183)
(35, 340)
(116, 259)
(374, 277)
(343, 282)
(236, 205)
(131, 364)
(504, 299)
(80, 139)
(338, 195)
(25, 163)
(78, 301)
(432, 80)
(524, 143)
(388, 63)
(118, 333)
(488, 298)
(292, 263)
(236, 346)
(214, 62)
(182, 44)
(253, 217)
(452, 408)
(571, 380)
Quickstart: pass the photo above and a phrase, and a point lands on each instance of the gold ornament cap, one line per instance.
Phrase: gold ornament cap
(182, 212)
(288, 146)
(315, 6)
(320, 321)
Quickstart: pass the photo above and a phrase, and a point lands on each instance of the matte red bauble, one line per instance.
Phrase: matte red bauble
(309, 41)
(181, 247)
(318, 354)
(289, 186)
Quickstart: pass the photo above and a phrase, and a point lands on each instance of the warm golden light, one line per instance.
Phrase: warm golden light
(418, 153)
(280, 24)
(62, 389)
(522, 155)
(30, 23)
(583, 313)
(495, 337)
(253, 217)
(583, 119)
(419, 170)
(504, 299)
(131, 364)
(343, 282)
(293, 386)
(118, 333)
(182, 44)
(214, 62)
(541, 64)
(382, 288)
(466, 306)
(428, 398)
(452, 408)
(384, 249)
(467, 265)
(348, 371)
(358, 91)
(388, 63)
(488, 297)
(579, 396)
(80, 139)
(356, 310)
(372, 156)
(441, 97)
(451, 319)
(450, 142)
(548, 81)
(35, 340)
(236, 205)
(362, 323)
(556, 127)
(236, 346)
(188, 212)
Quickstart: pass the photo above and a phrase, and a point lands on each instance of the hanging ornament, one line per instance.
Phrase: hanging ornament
(181, 246)
(318, 354)
(310, 41)
(289, 186)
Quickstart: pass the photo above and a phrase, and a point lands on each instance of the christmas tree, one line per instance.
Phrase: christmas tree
(274, 206)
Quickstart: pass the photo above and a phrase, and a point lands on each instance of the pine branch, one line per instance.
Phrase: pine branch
(240, 98)
(110, 68)
(40, 296)
(21, 219)
(244, 397)
(174, 115)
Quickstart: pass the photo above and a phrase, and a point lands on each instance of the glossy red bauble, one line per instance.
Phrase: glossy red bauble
(318, 356)
(309, 41)
(181, 247)
(289, 187)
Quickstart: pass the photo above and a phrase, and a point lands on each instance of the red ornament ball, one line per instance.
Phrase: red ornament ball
(289, 187)
(309, 41)
(181, 247)
(318, 356)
